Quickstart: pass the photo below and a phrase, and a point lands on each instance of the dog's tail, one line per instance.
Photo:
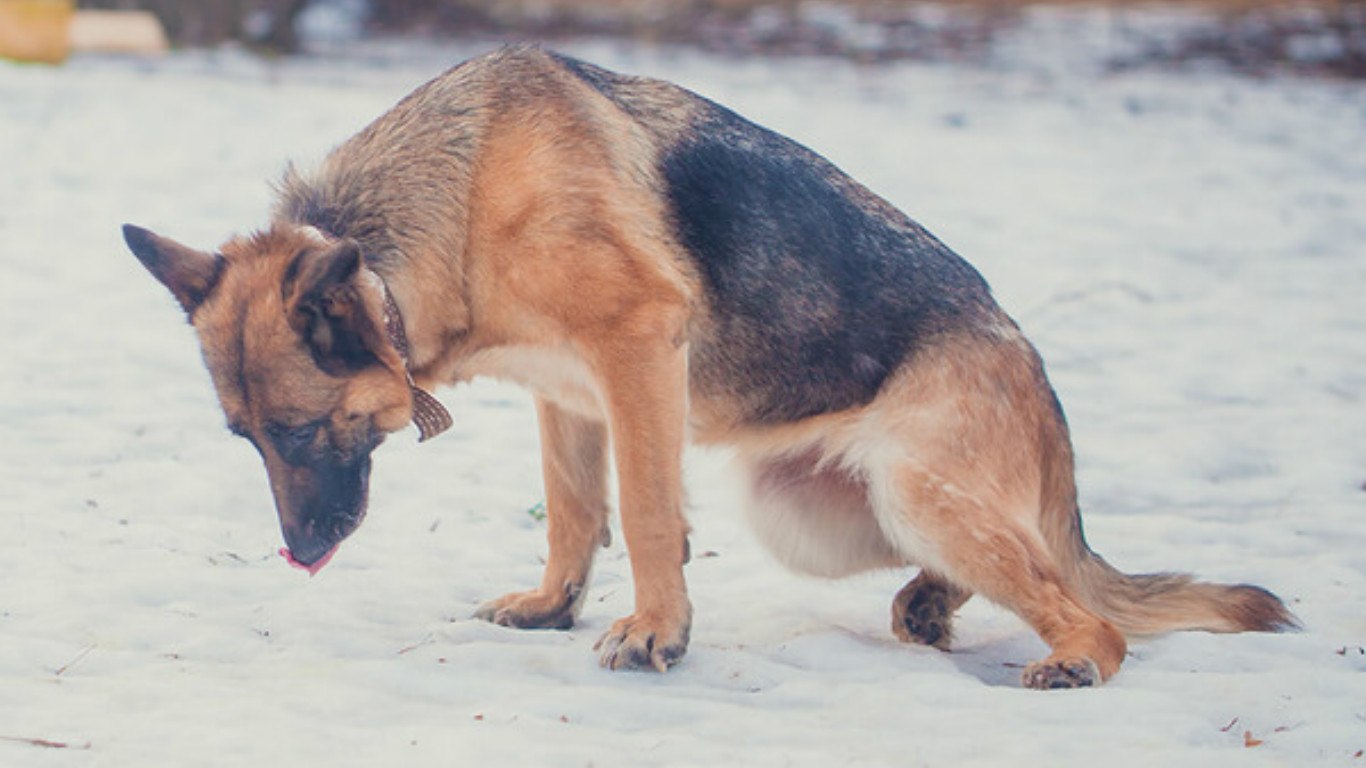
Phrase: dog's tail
(1143, 604)
(1153, 603)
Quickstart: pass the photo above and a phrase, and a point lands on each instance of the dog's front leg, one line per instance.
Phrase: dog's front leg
(644, 380)
(574, 465)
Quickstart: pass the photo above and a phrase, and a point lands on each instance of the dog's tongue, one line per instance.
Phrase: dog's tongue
(312, 569)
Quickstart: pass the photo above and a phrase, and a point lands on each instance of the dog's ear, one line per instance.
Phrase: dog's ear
(190, 274)
(324, 297)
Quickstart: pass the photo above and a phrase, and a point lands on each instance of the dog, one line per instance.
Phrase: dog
(656, 268)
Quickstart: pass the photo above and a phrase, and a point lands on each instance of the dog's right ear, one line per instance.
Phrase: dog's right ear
(190, 274)
(324, 303)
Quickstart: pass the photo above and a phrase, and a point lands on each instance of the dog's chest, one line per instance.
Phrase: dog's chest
(558, 375)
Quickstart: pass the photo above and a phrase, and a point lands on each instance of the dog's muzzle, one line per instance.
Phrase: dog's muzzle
(322, 511)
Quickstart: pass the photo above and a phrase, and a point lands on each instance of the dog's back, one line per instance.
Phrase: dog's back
(818, 290)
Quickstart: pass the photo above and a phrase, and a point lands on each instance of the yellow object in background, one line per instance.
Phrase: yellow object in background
(127, 32)
(36, 30)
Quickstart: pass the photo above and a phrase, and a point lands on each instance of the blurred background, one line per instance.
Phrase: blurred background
(1322, 37)
(1169, 198)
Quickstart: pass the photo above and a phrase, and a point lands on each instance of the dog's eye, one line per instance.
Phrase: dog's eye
(293, 441)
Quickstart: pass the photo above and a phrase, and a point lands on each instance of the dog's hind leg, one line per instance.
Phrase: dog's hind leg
(996, 554)
(574, 464)
(957, 461)
(922, 612)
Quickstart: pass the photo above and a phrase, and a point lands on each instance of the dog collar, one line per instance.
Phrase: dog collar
(429, 415)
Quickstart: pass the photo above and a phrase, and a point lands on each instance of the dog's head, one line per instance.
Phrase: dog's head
(293, 332)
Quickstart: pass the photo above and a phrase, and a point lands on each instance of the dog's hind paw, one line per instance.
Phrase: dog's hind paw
(644, 642)
(923, 616)
(534, 609)
(1077, 672)
(922, 612)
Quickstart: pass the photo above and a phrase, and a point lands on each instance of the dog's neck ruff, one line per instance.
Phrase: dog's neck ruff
(429, 415)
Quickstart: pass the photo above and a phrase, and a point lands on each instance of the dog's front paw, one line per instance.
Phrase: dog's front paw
(1076, 672)
(535, 609)
(644, 641)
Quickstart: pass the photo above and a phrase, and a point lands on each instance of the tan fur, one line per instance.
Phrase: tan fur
(533, 253)
(949, 459)
(249, 346)
(574, 464)
(545, 254)
(962, 467)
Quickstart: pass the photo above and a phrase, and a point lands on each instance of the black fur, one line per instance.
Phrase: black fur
(330, 498)
(820, 289)
(603, 81)
(337, 214)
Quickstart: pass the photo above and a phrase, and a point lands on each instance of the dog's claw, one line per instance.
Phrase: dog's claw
(492, 615)
(631, 643)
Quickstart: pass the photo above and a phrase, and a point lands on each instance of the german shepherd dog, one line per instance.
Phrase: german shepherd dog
(654, 267)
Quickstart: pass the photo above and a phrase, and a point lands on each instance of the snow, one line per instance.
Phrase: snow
(1188, 252)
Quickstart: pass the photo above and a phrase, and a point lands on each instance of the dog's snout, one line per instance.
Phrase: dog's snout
(307, 544)
(320, 504)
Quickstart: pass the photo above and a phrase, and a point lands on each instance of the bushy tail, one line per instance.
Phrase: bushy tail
(1144, 604)
(1149, 604)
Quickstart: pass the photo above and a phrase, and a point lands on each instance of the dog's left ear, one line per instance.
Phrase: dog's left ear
(326, 304)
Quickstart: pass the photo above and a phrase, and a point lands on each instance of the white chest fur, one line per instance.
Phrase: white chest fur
(556, 374)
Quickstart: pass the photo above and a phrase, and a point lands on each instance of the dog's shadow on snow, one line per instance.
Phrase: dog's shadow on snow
(996, 661)
(999, 661)
(992, 645)
(996, 656)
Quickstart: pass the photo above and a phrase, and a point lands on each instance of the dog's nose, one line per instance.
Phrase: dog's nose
(306, 548)
(313, 568)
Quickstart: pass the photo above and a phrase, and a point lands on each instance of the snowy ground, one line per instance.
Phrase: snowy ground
(1189, 253)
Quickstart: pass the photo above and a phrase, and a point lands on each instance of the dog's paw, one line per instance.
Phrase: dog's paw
(644, 641)
(535, 609)
(1076, 672)
(923, 617)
